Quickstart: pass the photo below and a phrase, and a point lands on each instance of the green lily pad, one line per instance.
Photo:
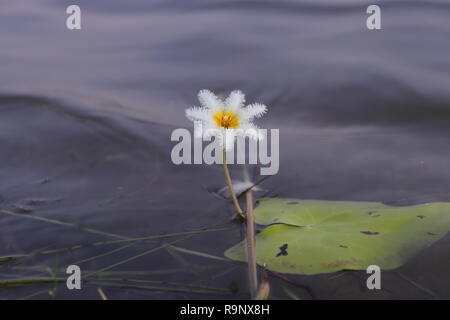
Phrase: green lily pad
(314, 236)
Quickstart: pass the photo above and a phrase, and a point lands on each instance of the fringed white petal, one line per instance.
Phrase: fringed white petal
(209, 100)
(248, 129)
(229, 139)
(197, 114)
(198, 129)
(219, 135)
(255, 110)
(226, 138)
(235, 101)
(210, 130)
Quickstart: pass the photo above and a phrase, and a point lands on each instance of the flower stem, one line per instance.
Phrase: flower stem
(251, 248)
(230, 186)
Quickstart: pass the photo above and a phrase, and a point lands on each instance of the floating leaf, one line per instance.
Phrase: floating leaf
(314, 236)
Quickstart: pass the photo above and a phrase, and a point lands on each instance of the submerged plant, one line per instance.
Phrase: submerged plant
(225, 120)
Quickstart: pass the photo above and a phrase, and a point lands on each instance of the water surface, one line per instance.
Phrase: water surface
(86, 118)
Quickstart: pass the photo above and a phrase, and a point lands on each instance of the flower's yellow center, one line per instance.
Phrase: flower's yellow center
(226, 119)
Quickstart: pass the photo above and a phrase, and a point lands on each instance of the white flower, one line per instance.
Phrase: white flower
(226, 119)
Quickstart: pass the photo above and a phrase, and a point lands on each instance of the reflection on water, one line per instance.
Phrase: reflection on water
(86, 116)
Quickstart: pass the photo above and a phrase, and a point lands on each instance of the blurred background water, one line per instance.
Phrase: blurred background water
(86, 118)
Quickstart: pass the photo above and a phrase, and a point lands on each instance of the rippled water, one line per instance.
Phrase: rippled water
(86, 117)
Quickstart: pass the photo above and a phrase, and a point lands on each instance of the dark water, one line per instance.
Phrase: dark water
(86, 118)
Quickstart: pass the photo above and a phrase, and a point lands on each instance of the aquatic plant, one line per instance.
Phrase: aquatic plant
(225, 120)
(317, 236)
